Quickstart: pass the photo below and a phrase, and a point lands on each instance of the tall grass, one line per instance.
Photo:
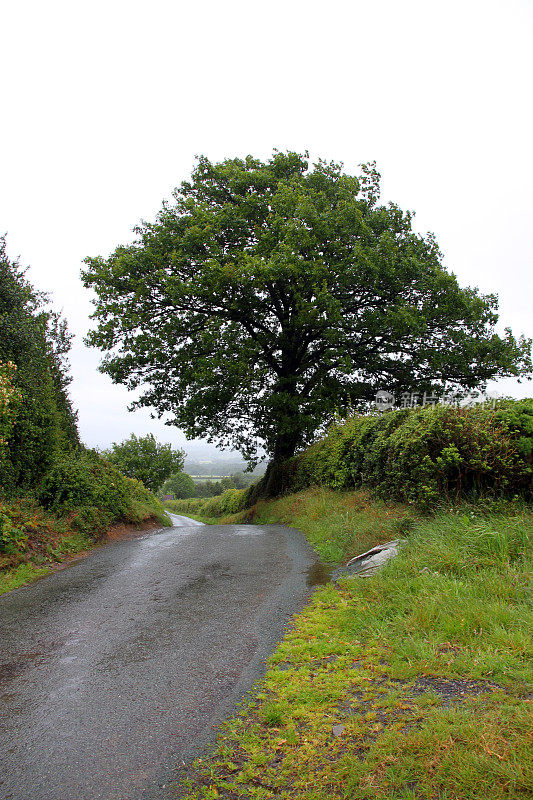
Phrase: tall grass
(460, 579)
(339, 525)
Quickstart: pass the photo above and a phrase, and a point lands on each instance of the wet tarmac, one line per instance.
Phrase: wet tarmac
(118, 669)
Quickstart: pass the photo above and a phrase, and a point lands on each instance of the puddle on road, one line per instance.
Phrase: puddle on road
(319, 574)
(248, 530)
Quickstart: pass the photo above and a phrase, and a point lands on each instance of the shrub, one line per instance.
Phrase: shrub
(180, 484)
(12, 538)
(424, 455)
(230, 501)
(95, 492)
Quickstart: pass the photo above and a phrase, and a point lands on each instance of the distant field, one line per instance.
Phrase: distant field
(204, 478)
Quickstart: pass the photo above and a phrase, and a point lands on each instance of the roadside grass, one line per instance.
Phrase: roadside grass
(38, 540)
(28, 571)
(411, 683)
(18, 576)
(339, 525)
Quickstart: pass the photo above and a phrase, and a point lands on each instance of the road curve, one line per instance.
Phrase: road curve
(119, 668)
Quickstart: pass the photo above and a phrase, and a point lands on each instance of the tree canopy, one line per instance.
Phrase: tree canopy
(146, 460)
(180, 484)
(267, 296)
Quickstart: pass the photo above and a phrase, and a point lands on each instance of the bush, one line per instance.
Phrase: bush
(425, 455)
(95, 492)
(12, 537)
(229, 502)
(180, 484)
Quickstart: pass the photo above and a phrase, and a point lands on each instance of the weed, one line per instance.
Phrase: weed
(273, 713)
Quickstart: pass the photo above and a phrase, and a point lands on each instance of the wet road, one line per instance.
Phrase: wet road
(118, 668)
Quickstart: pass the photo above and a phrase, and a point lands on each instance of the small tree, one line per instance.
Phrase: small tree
(146, 459)
(240, 480)
(180, 485)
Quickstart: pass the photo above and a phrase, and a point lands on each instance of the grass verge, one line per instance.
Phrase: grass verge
(412, 683)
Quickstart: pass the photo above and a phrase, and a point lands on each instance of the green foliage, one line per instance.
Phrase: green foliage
(35, 340)
(517, 420)
(95, 493)
(211, 488)
(180, 485)
(270, 294)
(187, 506)
(146, 460)
(10, 400)
(424, 455)
(70, 545)
(229, 502)
(12, 537)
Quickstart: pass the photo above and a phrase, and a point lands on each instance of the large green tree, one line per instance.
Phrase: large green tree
(268, 295)
(146, 459)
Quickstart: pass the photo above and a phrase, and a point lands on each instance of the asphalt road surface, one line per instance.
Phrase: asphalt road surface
(120, 667)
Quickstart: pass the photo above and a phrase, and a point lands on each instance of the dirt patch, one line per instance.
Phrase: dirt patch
(450, 691)
(131, 529)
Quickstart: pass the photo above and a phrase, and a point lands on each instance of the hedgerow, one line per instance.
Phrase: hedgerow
(34, 343)
(421, 456)
(424, 455)
(229, 502)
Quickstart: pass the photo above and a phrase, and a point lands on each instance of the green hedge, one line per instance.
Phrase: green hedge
(424, 455)
(95, 493)
(229, 502)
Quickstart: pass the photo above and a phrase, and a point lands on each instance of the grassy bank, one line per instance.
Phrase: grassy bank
(408, 684)
(42, 541)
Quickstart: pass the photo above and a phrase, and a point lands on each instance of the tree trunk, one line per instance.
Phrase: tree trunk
(273, 483)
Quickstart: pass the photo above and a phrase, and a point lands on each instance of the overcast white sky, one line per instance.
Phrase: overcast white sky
(105, 104)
